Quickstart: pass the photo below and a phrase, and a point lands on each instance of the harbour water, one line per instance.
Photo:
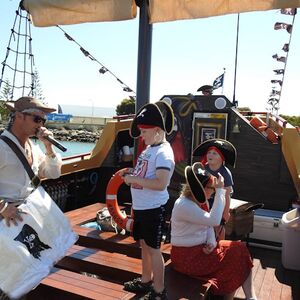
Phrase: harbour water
(74, 148)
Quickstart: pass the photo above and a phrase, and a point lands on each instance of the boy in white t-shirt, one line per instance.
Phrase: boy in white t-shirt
(149, 181)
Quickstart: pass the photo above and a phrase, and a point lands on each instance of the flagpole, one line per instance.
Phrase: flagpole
(236, 54)
(224, 69)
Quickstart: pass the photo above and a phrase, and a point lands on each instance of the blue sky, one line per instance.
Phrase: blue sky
(185, 55)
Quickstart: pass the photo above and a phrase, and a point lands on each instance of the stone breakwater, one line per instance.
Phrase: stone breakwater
(73, 135)
(76, 135)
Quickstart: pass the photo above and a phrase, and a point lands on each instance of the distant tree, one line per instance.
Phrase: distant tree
(6, 93)
(126, 107)
(37, 87)
(293, 120)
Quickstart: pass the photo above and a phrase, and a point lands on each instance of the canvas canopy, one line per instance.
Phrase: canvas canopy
(63, 12)
(66, 12)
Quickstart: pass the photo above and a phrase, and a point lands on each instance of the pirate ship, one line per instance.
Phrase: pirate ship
(267, 170)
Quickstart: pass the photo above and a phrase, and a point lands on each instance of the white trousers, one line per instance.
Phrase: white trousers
(29, 250)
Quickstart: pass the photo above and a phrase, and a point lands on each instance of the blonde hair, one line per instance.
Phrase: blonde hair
(186, 191)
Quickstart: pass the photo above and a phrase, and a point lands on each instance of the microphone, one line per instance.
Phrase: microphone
(55, 143)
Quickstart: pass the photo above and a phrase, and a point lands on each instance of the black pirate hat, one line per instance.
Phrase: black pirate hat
(225, 147)
(197, 178)
(158, 114)
(206, 88)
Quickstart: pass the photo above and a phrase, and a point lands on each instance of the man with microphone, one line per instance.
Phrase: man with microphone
(27, 119)
(26, 210)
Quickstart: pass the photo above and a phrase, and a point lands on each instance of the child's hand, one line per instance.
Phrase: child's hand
(219, 181)
(226, 216)
(129, 179)
(126, 171)
(208, 248)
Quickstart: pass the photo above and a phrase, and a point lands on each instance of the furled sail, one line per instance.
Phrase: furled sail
(64, 12)
(171, 10)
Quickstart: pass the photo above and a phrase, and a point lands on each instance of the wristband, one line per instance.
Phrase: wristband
(4, 207)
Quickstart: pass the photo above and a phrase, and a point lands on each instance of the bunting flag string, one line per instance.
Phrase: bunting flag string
(286, 47)
(103, 69)
(279, 71)
(289, 11)
(279, 25)
(275, 94)
(279, 58)
(277, 81)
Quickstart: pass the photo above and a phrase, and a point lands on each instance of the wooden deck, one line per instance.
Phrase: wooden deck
(100, 262)
(97, 266)
(271, 280)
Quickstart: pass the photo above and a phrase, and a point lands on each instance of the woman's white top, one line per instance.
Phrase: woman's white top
(191, 225)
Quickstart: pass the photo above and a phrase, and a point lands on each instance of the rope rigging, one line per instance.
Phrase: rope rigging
(22, 64)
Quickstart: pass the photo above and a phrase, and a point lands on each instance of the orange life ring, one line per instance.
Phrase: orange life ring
(112, 201)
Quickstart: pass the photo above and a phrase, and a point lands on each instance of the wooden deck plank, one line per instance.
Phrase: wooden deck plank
(276, 289)
(98, 260)
(266, 287)
(84, 214)
(71, 285)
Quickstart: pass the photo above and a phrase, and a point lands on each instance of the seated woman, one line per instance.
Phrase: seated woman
(227, 265)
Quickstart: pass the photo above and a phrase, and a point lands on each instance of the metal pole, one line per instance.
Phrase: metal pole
(144, 56)
(236, 54)
(224, 71)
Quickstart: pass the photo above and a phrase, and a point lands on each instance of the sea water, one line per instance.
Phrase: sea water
(73, 148)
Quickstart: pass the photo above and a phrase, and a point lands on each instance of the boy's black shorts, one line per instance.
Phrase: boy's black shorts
(149, 225)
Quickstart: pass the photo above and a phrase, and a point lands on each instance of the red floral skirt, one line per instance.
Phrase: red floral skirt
(226, 268)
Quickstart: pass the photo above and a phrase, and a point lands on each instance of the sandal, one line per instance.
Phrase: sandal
(153, 295)
(137, 286)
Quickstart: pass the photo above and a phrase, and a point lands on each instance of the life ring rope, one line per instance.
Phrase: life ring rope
(112, 201)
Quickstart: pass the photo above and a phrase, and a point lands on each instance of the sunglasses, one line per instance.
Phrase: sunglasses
(35, 118)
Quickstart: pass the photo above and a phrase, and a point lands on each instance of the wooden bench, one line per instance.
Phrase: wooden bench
(65, 285)
(111, 259)
(109, 266)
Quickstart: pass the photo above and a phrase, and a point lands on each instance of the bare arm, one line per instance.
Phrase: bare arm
(226, 213)
(159, 183)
